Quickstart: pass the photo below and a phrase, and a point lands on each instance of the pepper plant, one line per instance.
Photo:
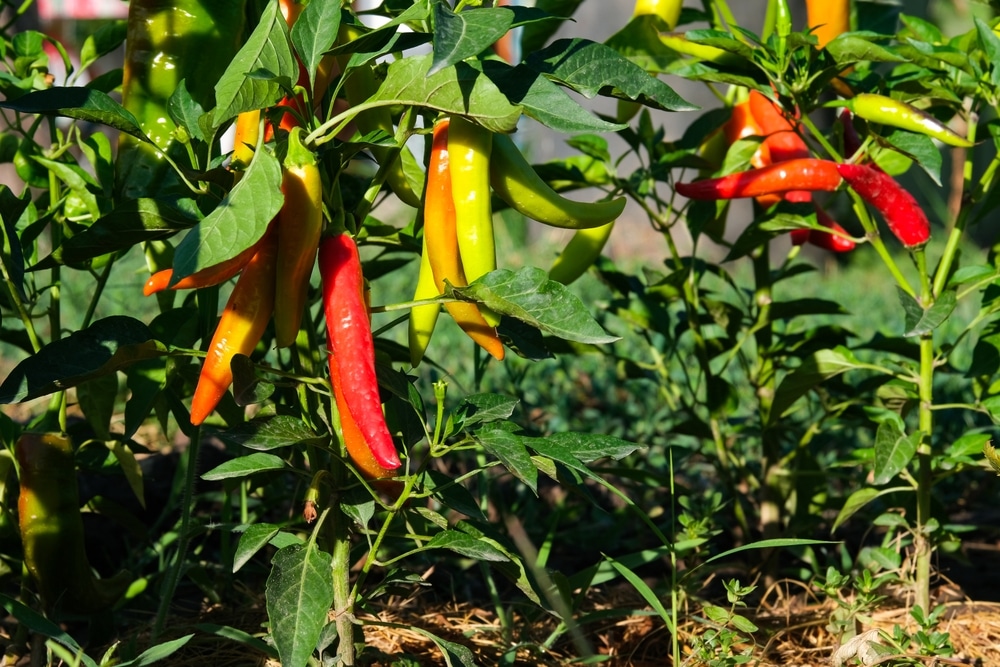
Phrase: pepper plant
(349, 466)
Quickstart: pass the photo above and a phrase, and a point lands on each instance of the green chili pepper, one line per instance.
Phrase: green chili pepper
(580, 253)
(169, 41)
(52, 529)
(519, 185)
(887, 111)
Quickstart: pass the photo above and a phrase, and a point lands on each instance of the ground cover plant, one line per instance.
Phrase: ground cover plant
(316, 398)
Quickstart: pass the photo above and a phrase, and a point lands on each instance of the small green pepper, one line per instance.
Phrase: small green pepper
(887, 111)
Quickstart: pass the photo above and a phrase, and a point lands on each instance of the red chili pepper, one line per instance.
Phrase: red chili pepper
(901, 211)
(212, 275)
(825, 240)
(803, 174)
(352, 349)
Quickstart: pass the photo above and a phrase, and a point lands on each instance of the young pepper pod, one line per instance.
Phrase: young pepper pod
(299, 225)
(52, 531)
(901, 211)
(518, 184)
(423, 318)
(352, 351)
(580, 253)
(803, 174)
(888, 111)
(240, 327)
(442, 244)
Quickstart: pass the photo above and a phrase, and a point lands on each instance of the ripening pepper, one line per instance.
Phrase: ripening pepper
(518, 184)
(828, 19)
(668, 10)
(835, 240)
(168, 41)
(901, 211)
(240, 327)
(245, 139)
(299, 225)
(469, 147)
(442, 244)
(212, 275)
(52, 530)
(888, 111)
(352, 357)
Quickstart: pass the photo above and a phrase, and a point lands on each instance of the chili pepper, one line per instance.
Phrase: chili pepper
(668, 10)
(442, 244)
(167, 41)
(423, 318)
(580, 253)
(741, 124)
(52, 530)
(245, 139)
(901, 211)
(828, 19)
(887, 111)
(469, 147)
(212, 275)
(781, 142)
(834, 242)
(354, 439)
(359, 85)
(518, 184)
(300, 223)
(802, 174)
(240, 327)
(352, 350)
(711, 54)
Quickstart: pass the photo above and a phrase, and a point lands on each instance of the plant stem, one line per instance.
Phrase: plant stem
(922, 542)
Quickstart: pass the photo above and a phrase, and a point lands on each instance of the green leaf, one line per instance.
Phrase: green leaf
(240, 636)
(76, 180)
(893, 451)
(585, 447)
(299, 594)
(482, 408)
(859, 499)
(106, 39)
(80, 103)
(461, 89)
(244, 466)
(465, 34)
(313, 33)
(531, 297)
(639, 41)
(593, 69)
(158, 652)
(651, 598)
(536, 34)
(103, 348)
(130, 468)
(921, 149)
(968, 444)
(271, 433)
(237, 223)
(97, 401)
(185, 111)
(132, 222)
(822, 365)
(850, 48)
(466, 545)
(544, 101)
(43, 626)
(253, 539)
(267, 49)
(991, 47)
(510, 449)
(920, 321)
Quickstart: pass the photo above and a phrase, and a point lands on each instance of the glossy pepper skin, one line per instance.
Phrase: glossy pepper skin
(887, 111)
(167, 41)
(668, 10)
(299, 225)
(245, 139)
(52, 528)
(240, 327)
(802, 174)
(901, 211)
(580, 253)
(352, 351)
(518, 184)
(442, 244)
(828, 19)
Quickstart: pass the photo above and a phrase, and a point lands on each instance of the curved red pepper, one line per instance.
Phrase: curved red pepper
(802, 174)
(352, 349)
(821, 239)
(901, 211)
